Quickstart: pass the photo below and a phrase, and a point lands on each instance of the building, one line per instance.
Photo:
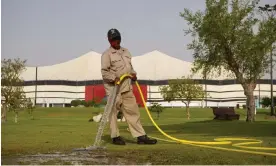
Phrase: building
(57, 85)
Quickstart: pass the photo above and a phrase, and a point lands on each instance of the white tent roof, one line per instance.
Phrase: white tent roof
(154, 65)
(85, 67)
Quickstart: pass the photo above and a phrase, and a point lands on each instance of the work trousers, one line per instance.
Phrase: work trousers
(126, 102)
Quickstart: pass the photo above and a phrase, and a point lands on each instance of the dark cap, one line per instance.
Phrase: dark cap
(113, 34)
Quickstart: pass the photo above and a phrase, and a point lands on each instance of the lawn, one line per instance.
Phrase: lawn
(63, 129)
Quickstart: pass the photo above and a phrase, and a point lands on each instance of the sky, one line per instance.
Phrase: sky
(47, 32)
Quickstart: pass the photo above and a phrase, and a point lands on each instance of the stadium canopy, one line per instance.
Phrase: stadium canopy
(153, 65)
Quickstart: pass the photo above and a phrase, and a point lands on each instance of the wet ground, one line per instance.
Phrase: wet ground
(74, 158)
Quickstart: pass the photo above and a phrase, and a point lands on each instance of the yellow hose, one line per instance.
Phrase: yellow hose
(217, 141)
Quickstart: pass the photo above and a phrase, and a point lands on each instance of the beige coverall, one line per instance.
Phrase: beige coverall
(115, 63)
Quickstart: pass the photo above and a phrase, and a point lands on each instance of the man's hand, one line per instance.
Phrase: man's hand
(134, 77)
(116, 80)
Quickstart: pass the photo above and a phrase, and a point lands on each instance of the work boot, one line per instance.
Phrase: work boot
(118, 141)
(145, 140)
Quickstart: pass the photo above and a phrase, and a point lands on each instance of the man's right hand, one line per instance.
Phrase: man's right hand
(116, 80)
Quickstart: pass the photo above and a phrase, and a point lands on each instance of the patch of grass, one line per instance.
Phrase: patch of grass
(63, 129)
(187, 155)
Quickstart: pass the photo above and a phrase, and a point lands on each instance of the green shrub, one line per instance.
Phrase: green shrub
(86, 103)
(157, 108)
(90, 103)
(266, 101)
(75, 103)
(96, 102)
(103, 101)
(83, 102)
(96, 105)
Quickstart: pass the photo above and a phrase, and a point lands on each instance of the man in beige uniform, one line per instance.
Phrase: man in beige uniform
(115, 62)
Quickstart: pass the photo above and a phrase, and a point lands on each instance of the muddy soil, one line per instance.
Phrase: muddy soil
(74, 158)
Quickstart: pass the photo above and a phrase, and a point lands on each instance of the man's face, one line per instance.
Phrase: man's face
(115, 44)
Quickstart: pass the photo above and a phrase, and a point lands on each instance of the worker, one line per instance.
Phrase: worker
(115, 62)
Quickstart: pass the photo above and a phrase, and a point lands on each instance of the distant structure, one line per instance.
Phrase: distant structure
(57, 85)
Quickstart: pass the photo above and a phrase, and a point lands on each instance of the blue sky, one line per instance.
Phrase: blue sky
(47, 32)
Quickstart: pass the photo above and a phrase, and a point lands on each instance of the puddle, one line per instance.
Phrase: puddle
(75, 158)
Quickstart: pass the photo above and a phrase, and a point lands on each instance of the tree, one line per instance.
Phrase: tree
(184, 89)
(156, 108)
(231, 37)
(12, 87)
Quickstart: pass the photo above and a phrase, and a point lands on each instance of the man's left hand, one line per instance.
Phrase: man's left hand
(134, 77)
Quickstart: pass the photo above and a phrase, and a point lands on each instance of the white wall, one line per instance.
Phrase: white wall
(51, 94)
(65, 94)
(219, 93)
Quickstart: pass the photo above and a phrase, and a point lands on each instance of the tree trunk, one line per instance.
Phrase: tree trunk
(250, 101)
(4, 113)
(16, 117)
(188, 111)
